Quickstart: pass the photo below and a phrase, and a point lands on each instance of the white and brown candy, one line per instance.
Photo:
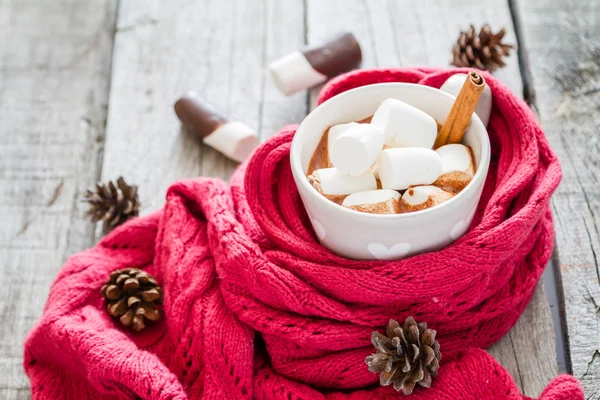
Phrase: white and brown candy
(304, 69)
(234, 139)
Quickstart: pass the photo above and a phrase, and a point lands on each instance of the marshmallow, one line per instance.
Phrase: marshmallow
(355, 150)
(399, 168)
(382, 201)
(484, 105)
(457, 167)
(308, 68)
(335, 131)
(422, 197)
(456, 157)
(405, 125)
(330, 181)
(234, 139)
(374, 166)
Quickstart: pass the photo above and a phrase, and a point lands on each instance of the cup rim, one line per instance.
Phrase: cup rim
(301, 180)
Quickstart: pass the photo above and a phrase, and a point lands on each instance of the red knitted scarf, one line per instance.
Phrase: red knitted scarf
(256, 308)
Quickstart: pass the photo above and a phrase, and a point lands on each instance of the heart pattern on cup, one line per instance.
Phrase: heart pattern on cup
(461, 226)
(458, 229)
(395, 252)
(318, 228)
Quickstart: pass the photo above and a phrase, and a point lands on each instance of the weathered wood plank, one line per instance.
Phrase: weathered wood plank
(409, 33)
(528, 350)
(217, 48)
(162, 50)
(285, 33)
(563, 39)
(54, 77)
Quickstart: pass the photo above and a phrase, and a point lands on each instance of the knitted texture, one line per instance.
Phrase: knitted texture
(256, 308)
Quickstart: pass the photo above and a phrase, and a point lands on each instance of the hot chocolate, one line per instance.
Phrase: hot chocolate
(385, 164)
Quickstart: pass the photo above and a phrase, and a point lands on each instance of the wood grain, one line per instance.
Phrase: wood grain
(54, 76)
(409, 33)
(285, 32)
(563, 41)
(53, 105)
(216, 48)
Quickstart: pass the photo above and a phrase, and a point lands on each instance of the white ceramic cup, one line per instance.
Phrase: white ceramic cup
(363, 236)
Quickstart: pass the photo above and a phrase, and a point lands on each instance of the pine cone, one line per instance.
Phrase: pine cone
(113, 205)
(409, 354)
(132, 296)
(484, 50)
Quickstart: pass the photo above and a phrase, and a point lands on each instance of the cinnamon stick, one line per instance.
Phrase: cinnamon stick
(459, 117)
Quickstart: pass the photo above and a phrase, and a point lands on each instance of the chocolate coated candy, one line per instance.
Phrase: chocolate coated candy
(198, 116)
(340, 54)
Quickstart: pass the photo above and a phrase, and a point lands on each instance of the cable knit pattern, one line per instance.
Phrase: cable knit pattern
(256, 308)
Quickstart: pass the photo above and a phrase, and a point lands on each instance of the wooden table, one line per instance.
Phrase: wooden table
(86, 93)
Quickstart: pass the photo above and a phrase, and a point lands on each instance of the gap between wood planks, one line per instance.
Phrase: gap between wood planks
(552, 283)
(564, 46)
(146, 26)
(97, 232)
(528, 89)
(54, 84)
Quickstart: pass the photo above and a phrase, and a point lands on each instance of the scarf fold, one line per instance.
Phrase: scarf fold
(256, 308)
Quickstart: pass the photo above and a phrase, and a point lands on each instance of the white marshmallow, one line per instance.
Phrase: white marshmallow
(405, 125)
(400, 168)
(293, 72)
(456, 157)
(335, 131)
(330, 181)
(457, 167)
(422, 197)
(382, 201)
(484, 105)
(234, 139)
(374, 169)
(371, 197)
(356, 149)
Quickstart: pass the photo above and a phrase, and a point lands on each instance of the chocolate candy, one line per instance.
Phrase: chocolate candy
(340, 54)
(234, 139)
(314, 65)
